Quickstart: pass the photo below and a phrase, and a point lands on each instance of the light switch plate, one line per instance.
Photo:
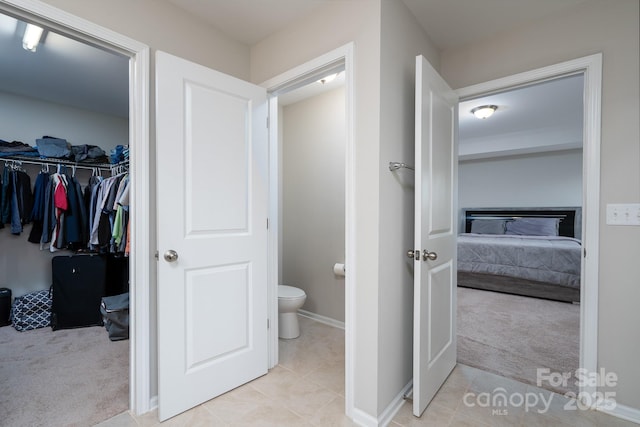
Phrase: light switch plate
(623, 214)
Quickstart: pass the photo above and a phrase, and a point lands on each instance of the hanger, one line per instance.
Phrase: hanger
(16, 165)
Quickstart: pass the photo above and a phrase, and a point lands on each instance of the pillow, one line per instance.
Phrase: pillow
(533, 226)
(488, 226)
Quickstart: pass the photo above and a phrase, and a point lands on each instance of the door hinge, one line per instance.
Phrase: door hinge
(267, 122)
(267, 223)
(268, 324)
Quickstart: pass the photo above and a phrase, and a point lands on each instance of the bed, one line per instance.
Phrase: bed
(531, 252)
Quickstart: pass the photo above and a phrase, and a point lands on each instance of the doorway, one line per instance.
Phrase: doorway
(590, 69)
(141, 362)
(329, 63)
(312, 199)
(534, 128)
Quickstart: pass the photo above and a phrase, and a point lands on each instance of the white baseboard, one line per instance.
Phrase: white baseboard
(322, 319)
(621, 411)
(392, 409)
(363, 419)
(153, 404)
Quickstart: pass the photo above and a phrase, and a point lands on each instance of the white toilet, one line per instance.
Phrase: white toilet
(290, 299)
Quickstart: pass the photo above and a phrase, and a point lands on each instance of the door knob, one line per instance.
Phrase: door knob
(170, 255)
(414, 254)
(426, 255)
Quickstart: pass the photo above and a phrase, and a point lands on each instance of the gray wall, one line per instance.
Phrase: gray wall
(23, 266)
(314, 137)
(402, 39)
(611, 28)
(531, 180)
(26, 119)
(163, 26)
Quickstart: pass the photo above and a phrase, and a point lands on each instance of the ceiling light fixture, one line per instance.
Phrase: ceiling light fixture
(484, 111)
(31, 37)
(328, 78)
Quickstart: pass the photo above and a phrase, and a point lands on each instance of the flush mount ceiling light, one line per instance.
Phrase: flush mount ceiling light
(328, 78)
(484, 111)
(31, 37)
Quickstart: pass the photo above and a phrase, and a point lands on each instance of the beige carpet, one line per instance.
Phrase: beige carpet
(512, 335)
(71, 377)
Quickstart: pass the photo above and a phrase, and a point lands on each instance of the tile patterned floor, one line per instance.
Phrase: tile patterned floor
(307, 389)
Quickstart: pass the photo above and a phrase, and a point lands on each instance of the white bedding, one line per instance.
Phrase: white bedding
(550, 259)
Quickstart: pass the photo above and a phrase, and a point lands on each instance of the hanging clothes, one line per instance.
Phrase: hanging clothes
(48, 216)
(60, 206)
(5, 209)
(16, 199)
(37, 213)
(90, 201)
(121, 219)
(127, 247)
(63, 213)
(75, 216)
(104, 205)
(101, 226)
(23, 196)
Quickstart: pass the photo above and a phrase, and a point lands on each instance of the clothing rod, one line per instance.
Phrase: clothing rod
(55, 162)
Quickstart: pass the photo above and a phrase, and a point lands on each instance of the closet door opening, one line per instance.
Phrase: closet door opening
(65, 138)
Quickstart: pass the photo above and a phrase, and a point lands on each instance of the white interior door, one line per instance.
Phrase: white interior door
(435, 276)
(212, 233)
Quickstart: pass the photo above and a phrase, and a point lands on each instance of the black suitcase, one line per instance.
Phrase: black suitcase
(117, 274)
(5, 306)
(79, 283)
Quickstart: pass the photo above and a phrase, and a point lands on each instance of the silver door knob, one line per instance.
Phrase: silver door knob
(426, 255)
(414, 254)
(170, 255)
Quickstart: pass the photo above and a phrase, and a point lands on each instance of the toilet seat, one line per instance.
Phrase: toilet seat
(290, 292)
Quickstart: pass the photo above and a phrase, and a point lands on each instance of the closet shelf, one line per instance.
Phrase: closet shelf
(112, 167)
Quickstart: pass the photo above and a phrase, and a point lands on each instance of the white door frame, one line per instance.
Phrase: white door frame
(591, 68)
(292, 78)
(139, 261)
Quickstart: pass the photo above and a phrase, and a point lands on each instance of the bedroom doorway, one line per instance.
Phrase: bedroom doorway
(518, 166)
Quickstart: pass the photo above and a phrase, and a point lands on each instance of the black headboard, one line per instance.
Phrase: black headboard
(570, 218)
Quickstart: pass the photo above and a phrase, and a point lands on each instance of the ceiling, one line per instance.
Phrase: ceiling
(65, 71)
(537, 118)
(449, 23)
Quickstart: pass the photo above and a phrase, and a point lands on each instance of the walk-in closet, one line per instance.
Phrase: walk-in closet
(64, 210)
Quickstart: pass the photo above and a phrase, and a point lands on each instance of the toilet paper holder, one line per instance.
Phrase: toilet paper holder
(338, 269)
